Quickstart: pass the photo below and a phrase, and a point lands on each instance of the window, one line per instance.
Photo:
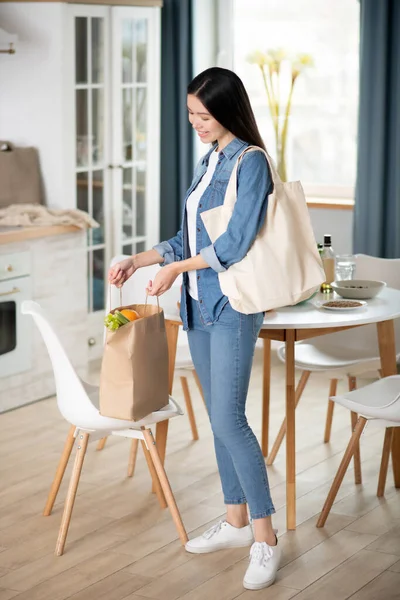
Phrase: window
(321, 143)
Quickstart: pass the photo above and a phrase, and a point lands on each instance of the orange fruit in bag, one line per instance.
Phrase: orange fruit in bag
(130, 314)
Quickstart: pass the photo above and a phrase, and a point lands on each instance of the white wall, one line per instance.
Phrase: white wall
(338, 223)
(32, 88)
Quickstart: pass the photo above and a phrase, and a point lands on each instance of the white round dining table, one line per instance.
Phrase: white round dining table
(309, 320)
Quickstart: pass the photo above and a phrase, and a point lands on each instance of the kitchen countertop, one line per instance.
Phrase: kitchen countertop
(10, 235)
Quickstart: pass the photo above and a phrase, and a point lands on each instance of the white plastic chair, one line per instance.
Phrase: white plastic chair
(133, 292)
(78, 404)
(379, 401)
(345, 354)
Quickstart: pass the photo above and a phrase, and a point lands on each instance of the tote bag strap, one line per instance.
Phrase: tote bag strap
(230, 195)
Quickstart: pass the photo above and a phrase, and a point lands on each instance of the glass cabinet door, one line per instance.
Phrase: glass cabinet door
(116, 87)
(136, 126)
(91, 140)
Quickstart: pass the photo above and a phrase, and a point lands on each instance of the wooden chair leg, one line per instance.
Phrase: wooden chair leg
(387, 444)
(83, 439)
(148, 436)
(62, 465)
(329, 414)
(101, 443)
(189, 408)
(352, 445)
(282, 431)
(156, 482)
(197, 380)
(353, 417)
(132, 457)
(396, 457)
(161, 437)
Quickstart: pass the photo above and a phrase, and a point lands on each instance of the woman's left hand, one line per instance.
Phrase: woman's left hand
(162, 281)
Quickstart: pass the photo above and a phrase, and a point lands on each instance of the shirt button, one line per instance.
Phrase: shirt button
(198, 276)
(200, 205)
(198, 229)
(201, 301)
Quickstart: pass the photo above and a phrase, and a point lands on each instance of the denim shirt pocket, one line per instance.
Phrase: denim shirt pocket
(221, 179)
(219, 185)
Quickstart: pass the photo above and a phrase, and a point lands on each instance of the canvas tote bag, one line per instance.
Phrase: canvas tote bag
(19, 175)
(134, 370)
(283, 266)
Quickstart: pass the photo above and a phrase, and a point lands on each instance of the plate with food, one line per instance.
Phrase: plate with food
(343, 304)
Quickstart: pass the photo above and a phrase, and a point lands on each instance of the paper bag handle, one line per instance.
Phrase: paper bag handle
(120, 297)
(145, 304)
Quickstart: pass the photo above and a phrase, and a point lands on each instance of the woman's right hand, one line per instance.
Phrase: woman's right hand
(120, 272)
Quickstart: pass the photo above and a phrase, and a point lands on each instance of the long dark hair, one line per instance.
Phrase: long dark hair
(223, 94)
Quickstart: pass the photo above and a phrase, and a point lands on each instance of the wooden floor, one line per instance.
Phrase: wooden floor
(122, 546)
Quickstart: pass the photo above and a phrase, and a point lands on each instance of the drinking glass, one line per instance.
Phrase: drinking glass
(345, 266)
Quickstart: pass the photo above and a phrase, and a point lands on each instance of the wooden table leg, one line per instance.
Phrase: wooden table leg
(282, 430)
(172, 330)
(266, 395)
(290, 431)
(387, 350)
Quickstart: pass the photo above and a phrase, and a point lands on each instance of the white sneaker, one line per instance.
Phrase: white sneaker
(219, 536)
(264, 564)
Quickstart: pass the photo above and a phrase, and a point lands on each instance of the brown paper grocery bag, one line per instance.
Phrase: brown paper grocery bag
(134, 370)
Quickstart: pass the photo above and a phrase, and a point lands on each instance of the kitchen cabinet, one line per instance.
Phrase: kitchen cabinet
(84, 88)
(114, 85)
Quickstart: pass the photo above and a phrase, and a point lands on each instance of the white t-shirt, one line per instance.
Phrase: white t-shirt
(192, 204)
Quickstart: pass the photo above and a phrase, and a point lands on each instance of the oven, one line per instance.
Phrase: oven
(15, 328)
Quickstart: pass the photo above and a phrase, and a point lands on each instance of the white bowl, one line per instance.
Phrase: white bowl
(358, 289)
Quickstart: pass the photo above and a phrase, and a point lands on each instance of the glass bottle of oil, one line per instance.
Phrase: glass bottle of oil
(328, 260)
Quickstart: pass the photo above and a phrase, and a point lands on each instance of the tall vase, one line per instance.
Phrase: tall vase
(281, 159)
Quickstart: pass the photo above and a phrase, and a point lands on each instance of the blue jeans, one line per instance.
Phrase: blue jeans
(222, 354)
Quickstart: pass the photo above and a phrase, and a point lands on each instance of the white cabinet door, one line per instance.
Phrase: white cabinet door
(114, 72)
(136, 127)
(92, 145)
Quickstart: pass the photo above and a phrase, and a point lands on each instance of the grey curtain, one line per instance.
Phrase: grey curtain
(377, 207)
(176, 133)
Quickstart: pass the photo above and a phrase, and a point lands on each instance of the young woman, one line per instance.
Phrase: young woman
(222, 340)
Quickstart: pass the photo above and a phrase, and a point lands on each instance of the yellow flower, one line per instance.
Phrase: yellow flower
(258, 58)
(275, 58)
(301, 62)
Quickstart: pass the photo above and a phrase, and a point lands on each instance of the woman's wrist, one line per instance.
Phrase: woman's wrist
(136, 261)
(176, 267)
(145, 259)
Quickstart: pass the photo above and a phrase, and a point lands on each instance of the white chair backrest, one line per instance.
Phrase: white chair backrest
(72, 399)
(379, 400)
(379, 269)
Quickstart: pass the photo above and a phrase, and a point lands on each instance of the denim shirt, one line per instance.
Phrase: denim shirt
(254, 184)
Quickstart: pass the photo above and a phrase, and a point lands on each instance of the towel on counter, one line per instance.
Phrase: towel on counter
(36, 215)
